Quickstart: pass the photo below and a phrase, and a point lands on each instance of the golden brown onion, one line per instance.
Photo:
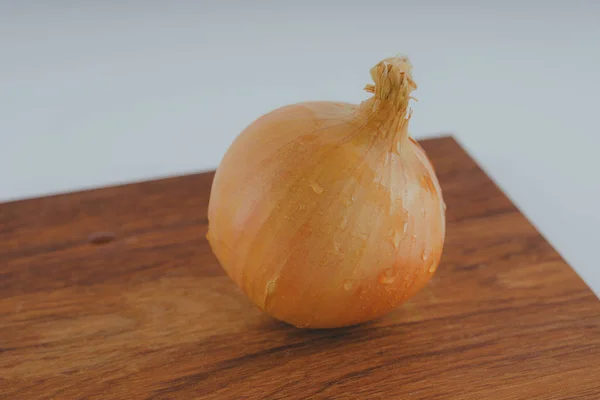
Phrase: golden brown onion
(328, 214)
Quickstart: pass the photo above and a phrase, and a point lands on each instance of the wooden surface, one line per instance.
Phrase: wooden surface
(115, 294)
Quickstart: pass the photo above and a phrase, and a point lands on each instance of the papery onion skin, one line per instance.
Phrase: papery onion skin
(328, 214)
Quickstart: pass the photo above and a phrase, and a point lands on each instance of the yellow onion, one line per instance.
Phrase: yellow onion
(329, 214)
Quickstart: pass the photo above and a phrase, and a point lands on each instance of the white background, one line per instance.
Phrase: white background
(105, 92)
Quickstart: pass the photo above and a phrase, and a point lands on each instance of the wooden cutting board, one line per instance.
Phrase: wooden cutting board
(114, 294)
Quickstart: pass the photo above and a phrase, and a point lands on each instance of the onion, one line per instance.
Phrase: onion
(329, 214)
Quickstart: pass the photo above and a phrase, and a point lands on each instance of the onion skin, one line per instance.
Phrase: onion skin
(328, 214)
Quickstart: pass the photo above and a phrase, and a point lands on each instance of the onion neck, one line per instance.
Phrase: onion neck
(389, 106)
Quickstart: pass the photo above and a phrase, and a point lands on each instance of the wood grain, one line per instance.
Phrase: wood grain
(114, 294)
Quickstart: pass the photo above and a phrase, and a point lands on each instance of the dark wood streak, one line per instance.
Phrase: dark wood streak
(33, 251)
(150, 313)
